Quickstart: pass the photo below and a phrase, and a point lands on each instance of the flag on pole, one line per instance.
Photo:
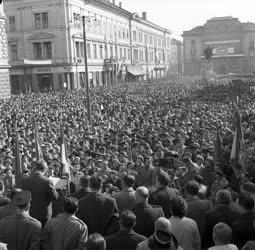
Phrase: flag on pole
(218, 146)
(237, 152)
(18, 170)
(37, 153)
(63, 154)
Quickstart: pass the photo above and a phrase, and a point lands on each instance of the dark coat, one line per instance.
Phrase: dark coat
(243, 229)
(146, 215)
(196, 211)
(100, 213)
(125, 199)
(127, 240)
(43, 193)
(222, 213)
(162, 197)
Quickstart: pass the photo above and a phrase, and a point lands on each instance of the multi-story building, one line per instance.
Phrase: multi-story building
(232, 42)
(47, 49)
(4, 66)
(176, 57)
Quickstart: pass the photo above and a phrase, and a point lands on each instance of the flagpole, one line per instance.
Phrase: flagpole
(17, 157)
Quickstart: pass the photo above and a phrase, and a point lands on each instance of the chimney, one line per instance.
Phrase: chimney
(120, 4)
(144, 14)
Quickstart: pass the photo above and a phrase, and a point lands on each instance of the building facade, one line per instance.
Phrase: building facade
(232, 43)
(4, 66)
(47, 51)
(176, 57)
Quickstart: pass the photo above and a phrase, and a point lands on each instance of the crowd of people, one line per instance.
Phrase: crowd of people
(148, 172)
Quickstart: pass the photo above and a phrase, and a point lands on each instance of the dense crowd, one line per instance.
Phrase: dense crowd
(148, 173)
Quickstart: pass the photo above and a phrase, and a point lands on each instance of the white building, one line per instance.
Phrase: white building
(46, 44)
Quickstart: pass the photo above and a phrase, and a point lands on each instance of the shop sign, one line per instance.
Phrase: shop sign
(43, 70)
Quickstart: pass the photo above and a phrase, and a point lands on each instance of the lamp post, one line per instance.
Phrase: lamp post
(86, 70)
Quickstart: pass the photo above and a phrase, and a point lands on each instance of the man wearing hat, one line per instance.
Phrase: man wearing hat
(20, 231)
(43, 193)
(162, 237)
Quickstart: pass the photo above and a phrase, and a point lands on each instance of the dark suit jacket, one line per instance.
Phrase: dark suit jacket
(196, 211)
(146, 215)
(100, 213)
(43, 193)
(162, 197)
(127, 240)
(125, 199)
(222, 213)
(243, 229)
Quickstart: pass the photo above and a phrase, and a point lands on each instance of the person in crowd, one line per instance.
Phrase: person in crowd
(98, 211)
(95, 242)
(163, 193)
(65, 231)
(146, 174)
(250, 245)
(184, 229)
(20, 231)
(8, 181)
(146, 214)
(43, 193)
(243, 229)
(162, 237)
(4, 200)
(125, 199)
(126, 238)
(196, 208)
(84, 190)
(223, 212)
(10, 208)
(222, 237)
(249, 189)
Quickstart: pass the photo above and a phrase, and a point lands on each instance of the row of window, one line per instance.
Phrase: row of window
(100, 51)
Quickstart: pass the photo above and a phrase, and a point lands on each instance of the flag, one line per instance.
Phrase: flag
(218, 146)
(18, 170)
(63, 155)
(237, 152)
(37, 153)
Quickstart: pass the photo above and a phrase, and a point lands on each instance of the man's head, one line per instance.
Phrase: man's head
(70, 205)
(163, 179)
(245, 203)
(128, 181)
(141, 194)
(22, 200)
(85, 182)
(163, 231)
(127, 220)
(223, 197)
(222, 234)
(41, 166)
(178, 207)
(192, 188)
(96, 183)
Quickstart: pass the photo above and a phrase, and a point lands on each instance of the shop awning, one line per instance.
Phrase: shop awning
(136, 70)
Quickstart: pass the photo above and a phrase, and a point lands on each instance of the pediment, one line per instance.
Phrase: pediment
(39, 36)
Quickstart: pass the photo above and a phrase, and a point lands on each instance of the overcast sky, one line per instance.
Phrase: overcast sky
(180, 15)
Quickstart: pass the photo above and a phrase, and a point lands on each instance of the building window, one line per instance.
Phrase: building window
(136, 55)
(14, 52)
(151, 40)
(140, 37)
(151, 56)
(129, 56)
(77, 48)
(94, 51)
(146, 39)
(155, 41)
(159, 42)
(12, 23)
(116, 52)
(37, 50)
(101, 51)
(41, 20)
(82, 49)
(134, 35)
(47, 50)
(42, 50)
(88, 50)
(106, 51)
(120, 53)
(141, 56)
(125, 53)
(193, 48)
(251, 46)
(111, 52)
(127, 34)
